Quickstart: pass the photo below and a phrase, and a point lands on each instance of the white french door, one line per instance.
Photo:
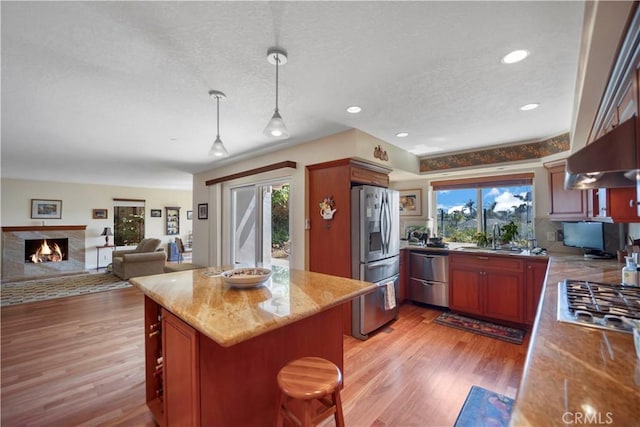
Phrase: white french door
(251, 230)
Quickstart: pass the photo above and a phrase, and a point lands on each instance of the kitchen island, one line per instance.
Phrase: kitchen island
(213, 351)
(576, 375)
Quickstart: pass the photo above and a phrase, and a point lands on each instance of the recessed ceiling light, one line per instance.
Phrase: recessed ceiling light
(354, 109)
(528, 107)
(402, 134)
(515, 56)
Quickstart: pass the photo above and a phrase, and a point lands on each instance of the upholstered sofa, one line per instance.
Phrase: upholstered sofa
(144, 260)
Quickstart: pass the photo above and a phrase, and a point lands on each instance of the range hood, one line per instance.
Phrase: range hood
(610, 161)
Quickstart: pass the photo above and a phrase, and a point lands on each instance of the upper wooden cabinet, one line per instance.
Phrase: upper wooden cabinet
(565, 204)
(617, 205)
(362, 175)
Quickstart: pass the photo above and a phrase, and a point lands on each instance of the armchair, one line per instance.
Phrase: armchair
(144, 260)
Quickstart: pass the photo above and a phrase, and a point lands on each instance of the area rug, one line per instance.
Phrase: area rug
(484, 408)
(58, 287)
(481, 327)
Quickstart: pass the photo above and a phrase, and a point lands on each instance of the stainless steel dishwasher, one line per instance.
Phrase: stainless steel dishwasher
(429, 278)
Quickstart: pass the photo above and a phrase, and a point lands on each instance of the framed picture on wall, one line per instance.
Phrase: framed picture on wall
(156, 213)
(100, 213)
(411, 202)
(203, 210)
(173, 220)
(46, 209)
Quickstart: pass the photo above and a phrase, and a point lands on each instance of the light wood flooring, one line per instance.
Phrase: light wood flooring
(79, 361)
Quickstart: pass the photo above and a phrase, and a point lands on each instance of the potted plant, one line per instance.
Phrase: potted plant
(481, 239)
(509, 232)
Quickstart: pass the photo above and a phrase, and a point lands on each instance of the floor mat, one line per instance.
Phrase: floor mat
(481, 327)
(484, 408)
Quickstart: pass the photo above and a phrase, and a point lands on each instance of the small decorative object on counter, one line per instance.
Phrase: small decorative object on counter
(630, 272)
(327, 210)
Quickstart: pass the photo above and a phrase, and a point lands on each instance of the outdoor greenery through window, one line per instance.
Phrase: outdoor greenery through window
(472, 214)
(128, 219)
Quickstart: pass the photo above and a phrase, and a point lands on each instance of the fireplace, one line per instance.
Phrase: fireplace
(23, 245)
(46, 250)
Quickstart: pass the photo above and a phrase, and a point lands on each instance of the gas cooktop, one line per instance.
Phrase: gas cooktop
(598, 305)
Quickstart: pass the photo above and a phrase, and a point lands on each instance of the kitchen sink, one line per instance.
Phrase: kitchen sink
(501, 251)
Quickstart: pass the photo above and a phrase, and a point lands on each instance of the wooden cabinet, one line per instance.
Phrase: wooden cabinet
(565, 204)
(330, 240)
(153, 363)
(617, 204)
(535, 272)
(181, 388)
(362, 175)
(404, 275)
(465, 288)
(171, 368)
(489, 286)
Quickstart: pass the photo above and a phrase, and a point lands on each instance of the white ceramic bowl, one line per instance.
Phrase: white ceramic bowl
(246, 277)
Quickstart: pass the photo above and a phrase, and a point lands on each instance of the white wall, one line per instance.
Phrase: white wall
(78, 200)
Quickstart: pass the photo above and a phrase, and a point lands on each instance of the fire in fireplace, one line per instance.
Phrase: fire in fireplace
(46, 250)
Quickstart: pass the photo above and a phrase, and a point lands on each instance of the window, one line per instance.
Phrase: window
(467, 207)
(128, 219)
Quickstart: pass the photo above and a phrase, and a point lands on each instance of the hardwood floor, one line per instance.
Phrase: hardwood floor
(80, 361)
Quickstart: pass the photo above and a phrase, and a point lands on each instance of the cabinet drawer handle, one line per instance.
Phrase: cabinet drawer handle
(482, 257)
(632, 203)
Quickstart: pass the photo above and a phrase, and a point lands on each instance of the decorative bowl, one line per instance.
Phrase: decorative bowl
(246, 277)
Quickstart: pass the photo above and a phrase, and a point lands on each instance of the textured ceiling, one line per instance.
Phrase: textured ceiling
(117, 92)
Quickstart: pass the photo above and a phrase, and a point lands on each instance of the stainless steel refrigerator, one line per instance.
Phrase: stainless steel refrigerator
(375, 256)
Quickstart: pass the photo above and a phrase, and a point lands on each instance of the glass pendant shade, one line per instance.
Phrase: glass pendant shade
(217, 149)
(276, 128)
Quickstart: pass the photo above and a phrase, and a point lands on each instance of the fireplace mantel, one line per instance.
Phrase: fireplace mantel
(43, 228)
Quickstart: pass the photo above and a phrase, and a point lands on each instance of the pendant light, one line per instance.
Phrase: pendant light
(217, 149)
(276, 128)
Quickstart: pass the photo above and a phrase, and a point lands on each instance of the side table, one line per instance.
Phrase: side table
(112, 247)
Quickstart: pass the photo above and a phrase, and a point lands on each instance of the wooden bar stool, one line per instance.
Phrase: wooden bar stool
(307, 380)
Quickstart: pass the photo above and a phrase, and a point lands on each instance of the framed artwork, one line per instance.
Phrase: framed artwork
(203, 210)
(411, 202)
(189, 214)
(173, 220)
(46, 209)
(156, 213)
(100, 213)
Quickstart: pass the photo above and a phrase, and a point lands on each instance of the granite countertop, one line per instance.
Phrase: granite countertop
(471, 250)
(228, 315)
(575, 375)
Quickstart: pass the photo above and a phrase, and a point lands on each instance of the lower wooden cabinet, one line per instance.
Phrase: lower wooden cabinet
(535, 272)
(404, 276)
(181, 388)
(492, 286)
(465, 289)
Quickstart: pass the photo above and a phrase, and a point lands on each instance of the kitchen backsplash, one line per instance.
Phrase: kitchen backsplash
(611, 236)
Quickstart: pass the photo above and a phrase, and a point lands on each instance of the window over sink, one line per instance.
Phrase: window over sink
(466, 207)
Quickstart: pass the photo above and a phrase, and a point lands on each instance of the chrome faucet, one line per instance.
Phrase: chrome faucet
(495, 231)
